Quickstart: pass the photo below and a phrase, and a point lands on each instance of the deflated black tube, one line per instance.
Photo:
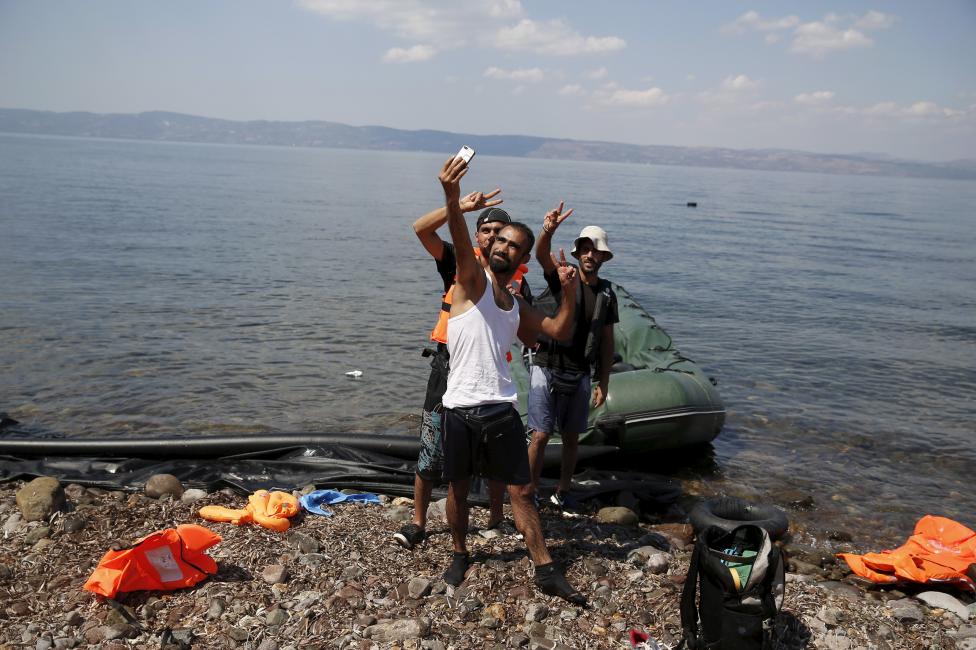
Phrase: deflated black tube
(406, 447)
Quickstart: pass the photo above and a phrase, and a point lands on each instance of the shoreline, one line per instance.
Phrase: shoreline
(340, 582)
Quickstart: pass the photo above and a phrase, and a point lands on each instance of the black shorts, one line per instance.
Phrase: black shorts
(488, 441)
(437, 382)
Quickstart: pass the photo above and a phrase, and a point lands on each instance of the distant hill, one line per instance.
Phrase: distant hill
(176, 127)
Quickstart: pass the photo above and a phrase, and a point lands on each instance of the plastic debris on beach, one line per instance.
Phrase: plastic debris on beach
(268, 509)
(313, 501)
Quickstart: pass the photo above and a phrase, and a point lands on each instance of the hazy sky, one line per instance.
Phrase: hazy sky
(890, 77)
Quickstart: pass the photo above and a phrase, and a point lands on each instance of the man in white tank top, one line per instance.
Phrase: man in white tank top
(483, 433)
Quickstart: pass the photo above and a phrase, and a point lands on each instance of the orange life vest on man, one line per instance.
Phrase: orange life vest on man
(439, 333)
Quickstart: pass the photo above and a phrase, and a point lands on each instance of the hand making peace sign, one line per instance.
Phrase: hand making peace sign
(555, 217)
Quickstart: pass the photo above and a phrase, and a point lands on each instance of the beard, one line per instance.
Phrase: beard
(499, 264)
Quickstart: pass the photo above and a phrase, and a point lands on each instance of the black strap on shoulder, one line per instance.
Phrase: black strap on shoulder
(446, 306)
(689, 605)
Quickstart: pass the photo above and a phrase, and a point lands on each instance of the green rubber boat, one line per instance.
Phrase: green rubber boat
(657, 399)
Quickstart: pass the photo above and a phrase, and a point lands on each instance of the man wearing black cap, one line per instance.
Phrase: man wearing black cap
(430, 461)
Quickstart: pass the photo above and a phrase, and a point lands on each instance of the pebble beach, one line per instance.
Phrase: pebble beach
(340, 582)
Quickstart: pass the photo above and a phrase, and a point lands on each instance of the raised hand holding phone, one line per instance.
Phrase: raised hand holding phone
(466, 153)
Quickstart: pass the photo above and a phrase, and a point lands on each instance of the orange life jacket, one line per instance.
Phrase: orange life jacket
(941, 550)
(439, 333)
(166, 559)
(268, 509)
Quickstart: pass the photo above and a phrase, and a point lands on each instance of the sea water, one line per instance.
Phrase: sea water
(191, 289)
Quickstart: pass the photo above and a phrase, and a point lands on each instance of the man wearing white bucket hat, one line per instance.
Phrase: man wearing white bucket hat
(559, 379)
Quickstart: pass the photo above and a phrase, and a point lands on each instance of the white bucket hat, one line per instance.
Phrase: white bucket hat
(598, 236)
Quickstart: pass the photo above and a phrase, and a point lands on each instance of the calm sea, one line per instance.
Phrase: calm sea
(183, 288)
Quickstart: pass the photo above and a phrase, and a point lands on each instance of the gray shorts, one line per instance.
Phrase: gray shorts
(553, 411)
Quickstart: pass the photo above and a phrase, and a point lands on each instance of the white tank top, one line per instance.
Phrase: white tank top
(478, 341)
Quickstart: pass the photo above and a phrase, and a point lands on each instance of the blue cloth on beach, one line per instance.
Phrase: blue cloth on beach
(313, 501)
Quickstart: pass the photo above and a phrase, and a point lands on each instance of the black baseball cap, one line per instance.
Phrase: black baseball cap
(492, 214)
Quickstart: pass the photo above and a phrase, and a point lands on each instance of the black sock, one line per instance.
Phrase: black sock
(455, 573)
(550, 579)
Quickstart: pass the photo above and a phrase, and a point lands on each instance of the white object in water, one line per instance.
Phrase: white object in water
(354, 373)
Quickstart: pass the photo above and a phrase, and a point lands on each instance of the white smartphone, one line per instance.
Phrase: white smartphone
(466, 154)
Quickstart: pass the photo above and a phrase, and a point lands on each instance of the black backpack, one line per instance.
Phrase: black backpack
(741, 577)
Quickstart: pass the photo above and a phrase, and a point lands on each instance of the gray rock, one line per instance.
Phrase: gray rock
(418, 587)
(276, 617)
(14, 522)
(120, 632)
(944, 601)
(37, 535)
(437, 510)
(193, 494)
(657, 540)
(352, 572)
(658, 563)
(433, 644)
(274, 574)
(64, 642)
(305, 543)
(617, 515)
(74, 619)
(268, 644)
(964, 632)
(44, 643)
(837, 640)
(831, 615)
(595, 567)
(399, 630)
(216, 608)
(490, 534)
(237, 634)
(159, 485)
(40, 498)
(313, 560)
(906, 611)
(399, 513)
(799, 577)
(73, 523)
(841, 589)
(805, 568)
(536, 612)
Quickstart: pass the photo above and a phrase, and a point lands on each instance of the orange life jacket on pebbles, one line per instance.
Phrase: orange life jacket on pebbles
(164, 560)
(941, 550)
(439, 333)
(269, 509)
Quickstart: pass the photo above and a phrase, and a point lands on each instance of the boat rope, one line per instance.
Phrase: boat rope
(678, 359)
